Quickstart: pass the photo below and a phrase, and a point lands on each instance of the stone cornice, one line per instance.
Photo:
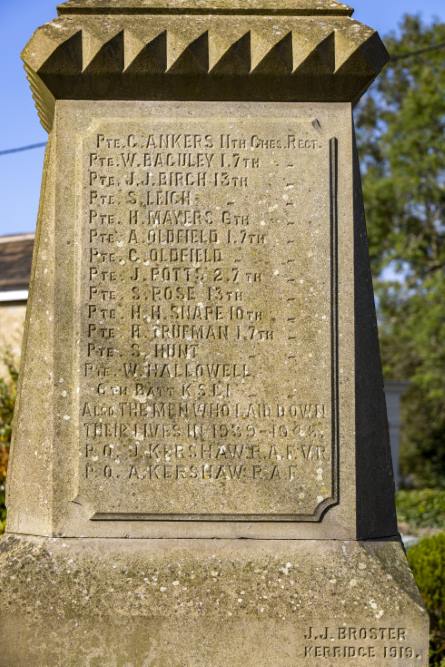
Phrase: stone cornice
(251, 7)
(309, 57)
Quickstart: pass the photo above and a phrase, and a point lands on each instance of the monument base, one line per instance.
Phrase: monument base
(208, 603)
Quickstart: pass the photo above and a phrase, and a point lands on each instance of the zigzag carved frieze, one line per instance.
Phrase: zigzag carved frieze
(205, 46)
(242, 49)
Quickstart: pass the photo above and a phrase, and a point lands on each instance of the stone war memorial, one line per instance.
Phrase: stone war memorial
(200, 472)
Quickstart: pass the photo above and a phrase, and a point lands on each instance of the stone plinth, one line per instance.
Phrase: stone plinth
(201, 360)
(218, 603)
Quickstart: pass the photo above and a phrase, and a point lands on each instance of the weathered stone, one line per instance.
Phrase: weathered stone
(218, 603)
(185, 421)
(201, 326)
(291, 7)
(278, 51)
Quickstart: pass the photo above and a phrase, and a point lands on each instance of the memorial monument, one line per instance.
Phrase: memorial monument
(200, 472)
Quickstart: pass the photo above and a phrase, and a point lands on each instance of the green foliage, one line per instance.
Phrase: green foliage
(422, 509)
(8, 393)
(2, 511)
(427, 561)
(401, 136)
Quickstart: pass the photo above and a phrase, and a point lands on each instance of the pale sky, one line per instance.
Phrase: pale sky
(20, 174)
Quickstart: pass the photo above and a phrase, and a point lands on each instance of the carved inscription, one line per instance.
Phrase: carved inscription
(364, 644)
(207, 379)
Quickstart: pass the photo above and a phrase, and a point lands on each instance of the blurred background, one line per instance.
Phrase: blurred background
(401, 135)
